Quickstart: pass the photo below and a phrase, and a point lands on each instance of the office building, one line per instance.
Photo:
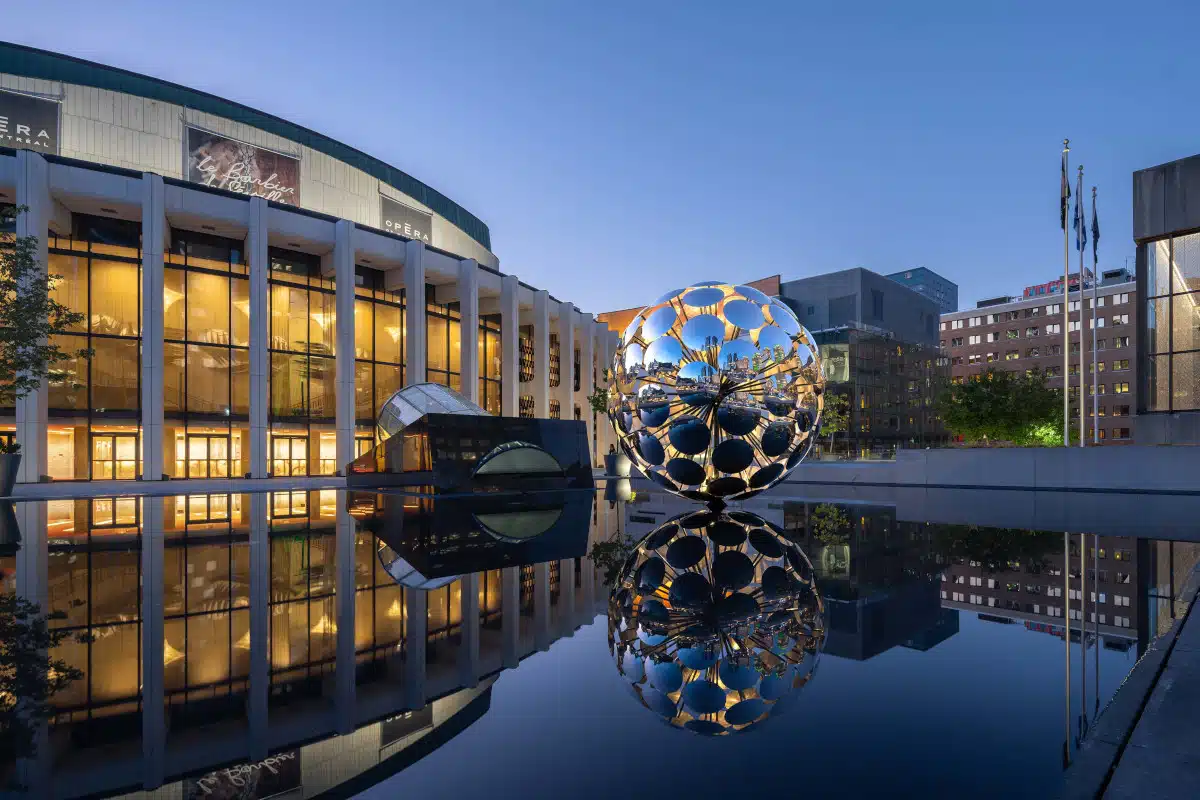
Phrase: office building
(1165, 218)
(249, 287)
(921, 280)
(1021, 334)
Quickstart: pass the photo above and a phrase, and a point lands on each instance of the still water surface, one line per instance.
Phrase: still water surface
(940, 671)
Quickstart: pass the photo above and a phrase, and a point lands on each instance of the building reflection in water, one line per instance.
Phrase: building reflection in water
(715, 622)
(223, 630)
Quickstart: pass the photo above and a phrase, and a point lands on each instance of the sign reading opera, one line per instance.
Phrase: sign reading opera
(28, 122)
(224, 163)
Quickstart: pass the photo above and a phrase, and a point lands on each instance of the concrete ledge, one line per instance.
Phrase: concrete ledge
(65, 489)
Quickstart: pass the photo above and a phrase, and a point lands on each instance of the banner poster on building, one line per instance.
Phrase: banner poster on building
(274, 776)
(28, 123)
(225, 163)
(405, 221)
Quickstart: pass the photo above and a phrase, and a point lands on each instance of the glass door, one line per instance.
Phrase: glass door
(114, 456)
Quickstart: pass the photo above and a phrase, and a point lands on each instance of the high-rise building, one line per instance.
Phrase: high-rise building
(923, 280)
(1020, 334)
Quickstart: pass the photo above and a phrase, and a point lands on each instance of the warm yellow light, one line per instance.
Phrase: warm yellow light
(170, 654)
(244, 642)
(325, 626)
(395, 611)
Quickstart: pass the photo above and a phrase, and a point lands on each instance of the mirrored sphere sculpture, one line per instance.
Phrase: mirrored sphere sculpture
(715, 621)
(717, 391)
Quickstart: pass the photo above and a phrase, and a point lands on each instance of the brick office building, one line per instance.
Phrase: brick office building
(1020, 334)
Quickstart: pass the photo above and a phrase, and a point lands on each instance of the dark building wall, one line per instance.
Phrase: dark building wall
(924, 281)
(861, 298)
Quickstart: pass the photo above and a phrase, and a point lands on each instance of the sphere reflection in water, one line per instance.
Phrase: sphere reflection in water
(717, 391)
(715, 620)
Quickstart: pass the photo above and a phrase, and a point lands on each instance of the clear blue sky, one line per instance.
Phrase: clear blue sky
(620, 149)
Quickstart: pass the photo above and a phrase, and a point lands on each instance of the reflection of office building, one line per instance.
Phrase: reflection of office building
(878, 343)
(226, 629)
(1165, 218)
(1026, 333)
(209, 247)
(926, 282)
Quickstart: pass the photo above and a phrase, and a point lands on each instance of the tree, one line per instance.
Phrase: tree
(1002, 406)
(30, 318)
(610, 555)
(29, 676)
(835, 416)
(829, 524)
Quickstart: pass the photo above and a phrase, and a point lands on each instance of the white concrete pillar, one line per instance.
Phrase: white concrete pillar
(416, 624)
(587, 338)
(566, 360)
(154, 721)
(541, 605)
(510, 614)
(468, 310)
(468, 648)
(260, 315)
(31, 585)
(541, 354)
(566, 596)
(343, 265)
(154, 232)
(344, 599)
(33, 191)
(510, 346)
(260, 595)
(414, 303)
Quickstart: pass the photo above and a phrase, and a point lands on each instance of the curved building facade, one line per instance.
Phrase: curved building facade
(252, 290)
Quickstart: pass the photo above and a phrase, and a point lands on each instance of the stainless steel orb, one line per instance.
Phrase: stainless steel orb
(717, 391)
(716, 622)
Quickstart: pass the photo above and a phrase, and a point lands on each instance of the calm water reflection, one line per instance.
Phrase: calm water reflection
(258, 645)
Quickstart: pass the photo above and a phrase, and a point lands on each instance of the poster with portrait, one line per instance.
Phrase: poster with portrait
(28, 122)
(268, 778)
(224, 163)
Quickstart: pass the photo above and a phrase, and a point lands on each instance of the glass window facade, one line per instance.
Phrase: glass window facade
(95, 404)
(379, 325)
(443, 344)
(1170, 338)
(206, 357)
(491, 378)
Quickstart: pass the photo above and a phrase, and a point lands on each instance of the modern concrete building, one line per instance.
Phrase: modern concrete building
(1020, 334)
(922, 280)
(249, 287)
(1166, 217)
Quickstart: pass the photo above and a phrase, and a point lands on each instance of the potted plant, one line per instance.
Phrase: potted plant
(30, 320)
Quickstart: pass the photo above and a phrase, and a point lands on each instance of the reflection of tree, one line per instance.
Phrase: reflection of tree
(29, 677)
(994, 549)
(610, 555)
(829, 524)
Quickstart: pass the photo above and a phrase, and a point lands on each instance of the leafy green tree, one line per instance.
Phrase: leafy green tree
(610, 555)
(30, 318)
(1001, 406)
(835, 416)
(29, 676)
(829, 524)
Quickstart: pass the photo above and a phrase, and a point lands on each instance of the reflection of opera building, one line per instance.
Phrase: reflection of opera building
(247, 286)
(267, 626)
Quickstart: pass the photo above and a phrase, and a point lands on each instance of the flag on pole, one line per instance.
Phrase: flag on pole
(1064, 193)
(1080, 225)
(1095, 231)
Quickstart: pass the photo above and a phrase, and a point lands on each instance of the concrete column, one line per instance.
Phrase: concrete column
(33, 191)
(468, 309)
(587, 339)
(510, 346)
(541, 354)
(154, 722)
(260, 594)
(344, 600)
(154, 230)
(31, 585)
(343, 265)
(416, 623)
(510, 614)
(541, 605)
(414, 324)
(468, 648)
(566, 360)
(566, 599)
(260, 314)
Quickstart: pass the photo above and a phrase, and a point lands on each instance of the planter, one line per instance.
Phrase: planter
(9, 462)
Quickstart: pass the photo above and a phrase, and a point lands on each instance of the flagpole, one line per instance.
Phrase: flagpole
(1095, 283)
(1082, 353)
(1066, 314)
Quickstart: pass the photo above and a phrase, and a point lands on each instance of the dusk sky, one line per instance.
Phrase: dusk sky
(617, 150)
